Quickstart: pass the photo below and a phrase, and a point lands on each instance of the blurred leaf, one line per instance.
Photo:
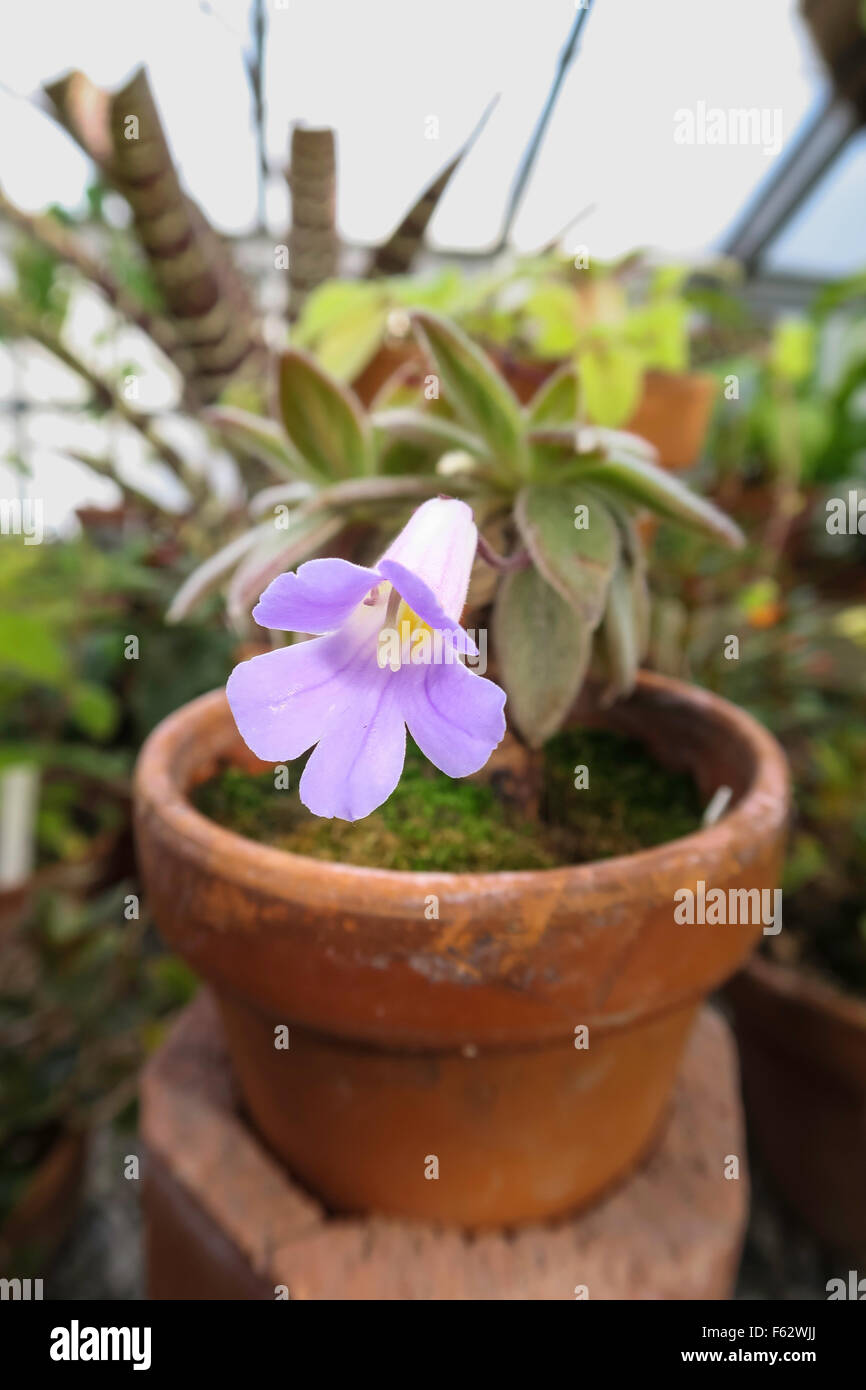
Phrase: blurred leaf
(32, 649)
(543, 653)
(324, 421)
(208, 575)
(611, 380)
(577, 562)
(94, 709)
(37, 269)
(479, 396)
(792, 351)
(257, 437)
(343, 324)
(422, 427)
(621, 634)
(446, 292)
(552, 311)
(556, 401)
(108, 765)
(660, 333)
(661, 492)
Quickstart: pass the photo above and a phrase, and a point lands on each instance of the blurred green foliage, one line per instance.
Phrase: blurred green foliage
(84, 997)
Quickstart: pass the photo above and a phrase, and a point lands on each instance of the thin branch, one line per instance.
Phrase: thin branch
(566, 58)
(255, 69)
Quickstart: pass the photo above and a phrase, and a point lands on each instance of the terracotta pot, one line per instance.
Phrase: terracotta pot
(674, 415)
(37, 1224)
(803, 1049)
(415, 1037)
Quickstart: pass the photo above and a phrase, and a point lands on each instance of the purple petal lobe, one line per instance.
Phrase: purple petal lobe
(455, 717)
(282, 700)
(318, 598)
(425, 603)
(358, 762)
(437, 545)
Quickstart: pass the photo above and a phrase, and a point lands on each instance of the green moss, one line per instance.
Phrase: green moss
(432, 822)
(631, 802)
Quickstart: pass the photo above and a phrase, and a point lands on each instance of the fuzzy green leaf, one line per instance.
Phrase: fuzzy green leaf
(324, 420)
(627, 615)
(480, 397)
(556, 401)
(543, 653)
(257, 437)
(574, 543)
(662, 493)
(209, 574)
(343, 323)
(435, 431)
(620, 634)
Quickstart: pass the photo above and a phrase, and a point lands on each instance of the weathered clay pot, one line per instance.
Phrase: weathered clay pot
(416, 1037)
(803, 1049)
(674, 415)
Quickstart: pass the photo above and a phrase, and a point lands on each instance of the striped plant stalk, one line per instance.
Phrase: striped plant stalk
(205, 297)
(313, 241)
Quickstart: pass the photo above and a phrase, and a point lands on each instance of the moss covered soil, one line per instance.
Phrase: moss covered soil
(432, 822)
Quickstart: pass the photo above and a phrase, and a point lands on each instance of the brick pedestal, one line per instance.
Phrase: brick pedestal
(225, 1220)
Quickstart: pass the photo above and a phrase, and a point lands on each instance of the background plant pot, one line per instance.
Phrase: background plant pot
(36, 1225)
(674, 415)
(415, 1036)
(803, 1050)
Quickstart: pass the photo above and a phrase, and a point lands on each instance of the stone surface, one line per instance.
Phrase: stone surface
(225, 1220)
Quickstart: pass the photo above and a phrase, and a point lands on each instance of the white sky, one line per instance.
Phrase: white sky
(377, 69)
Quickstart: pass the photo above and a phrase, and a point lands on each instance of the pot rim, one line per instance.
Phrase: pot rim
(803, 986)
(160, 790)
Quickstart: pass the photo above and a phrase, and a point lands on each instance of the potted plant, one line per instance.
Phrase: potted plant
(490, 1010)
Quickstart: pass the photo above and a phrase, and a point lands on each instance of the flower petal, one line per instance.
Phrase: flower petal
(283, 700)
(358, 762)
(423, 601)
(455, 716)
(317, 599)
(437, 545)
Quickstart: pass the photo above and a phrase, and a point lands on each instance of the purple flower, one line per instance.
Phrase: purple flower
(341, 691)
